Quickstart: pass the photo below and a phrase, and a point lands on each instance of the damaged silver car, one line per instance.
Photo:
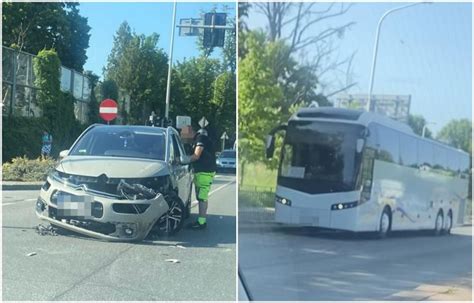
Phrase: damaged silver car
(118, 183)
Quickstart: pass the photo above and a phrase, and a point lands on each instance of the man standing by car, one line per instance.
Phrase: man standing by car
(204, 164)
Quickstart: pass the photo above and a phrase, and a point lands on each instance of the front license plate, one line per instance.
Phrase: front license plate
(74, 206)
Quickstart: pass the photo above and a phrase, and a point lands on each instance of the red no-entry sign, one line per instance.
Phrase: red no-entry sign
(108, 110)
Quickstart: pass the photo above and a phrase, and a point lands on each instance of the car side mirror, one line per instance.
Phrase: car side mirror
(63, 154)
(270, 146)
(184, 159)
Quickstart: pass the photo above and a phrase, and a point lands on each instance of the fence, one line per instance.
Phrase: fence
(256, 196)
(19, 93)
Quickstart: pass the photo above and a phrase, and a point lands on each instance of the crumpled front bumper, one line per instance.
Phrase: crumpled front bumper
(113, 223)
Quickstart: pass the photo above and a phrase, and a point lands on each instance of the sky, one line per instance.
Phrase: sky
(424, 51)
(143, 18)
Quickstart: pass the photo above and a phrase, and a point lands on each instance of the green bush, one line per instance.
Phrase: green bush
(24, 169)
(22, 137)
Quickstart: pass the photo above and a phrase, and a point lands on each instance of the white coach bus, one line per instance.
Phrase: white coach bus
(358, 171)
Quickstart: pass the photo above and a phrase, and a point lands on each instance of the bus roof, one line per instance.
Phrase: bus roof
(344, 115)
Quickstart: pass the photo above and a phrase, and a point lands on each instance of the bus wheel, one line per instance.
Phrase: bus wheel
(448, 223)
(438, 224)
(385, 224)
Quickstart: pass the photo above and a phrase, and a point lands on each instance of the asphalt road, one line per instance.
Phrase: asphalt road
(291, 263)
(73, 267)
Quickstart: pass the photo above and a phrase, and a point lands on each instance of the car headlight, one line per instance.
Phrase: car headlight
(56, 175)
(218, 161)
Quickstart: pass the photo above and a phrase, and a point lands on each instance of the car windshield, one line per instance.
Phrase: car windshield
(320, 157)
(139, 142)
(227, 154)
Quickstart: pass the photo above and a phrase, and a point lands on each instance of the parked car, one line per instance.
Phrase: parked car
(118, 183)
(226, 161)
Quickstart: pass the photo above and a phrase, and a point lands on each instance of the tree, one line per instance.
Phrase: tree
(93, 113)
(57, 106)
(417, 122)
(109, 90)
(193, 90)
(302, 27)
(457, 133)
(46, 67)
(31, 27)
(138, 67)
(260, 97)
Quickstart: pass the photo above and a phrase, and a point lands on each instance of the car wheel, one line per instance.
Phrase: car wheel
(438, 228)
(384, 224)
(171, 221)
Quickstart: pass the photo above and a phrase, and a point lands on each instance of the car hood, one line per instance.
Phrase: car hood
(113, 167)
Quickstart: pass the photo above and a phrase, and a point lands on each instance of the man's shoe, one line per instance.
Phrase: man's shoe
(196, 226)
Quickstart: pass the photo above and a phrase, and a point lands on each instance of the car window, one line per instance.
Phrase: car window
(227, 154)
(121, 142)
(176, 149)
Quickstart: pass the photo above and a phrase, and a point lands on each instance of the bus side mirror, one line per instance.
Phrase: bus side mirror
(270, 146)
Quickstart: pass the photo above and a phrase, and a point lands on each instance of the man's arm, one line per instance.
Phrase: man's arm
(197, 153)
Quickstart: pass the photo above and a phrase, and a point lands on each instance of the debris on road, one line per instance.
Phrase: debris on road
(31, 254)
(172, 261)
(178, 246)
(46, 230)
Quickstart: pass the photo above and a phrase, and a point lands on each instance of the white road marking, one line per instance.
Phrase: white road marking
(26, 200)
(195, 202)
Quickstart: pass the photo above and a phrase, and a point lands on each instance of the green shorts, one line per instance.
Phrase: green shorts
(202, 182)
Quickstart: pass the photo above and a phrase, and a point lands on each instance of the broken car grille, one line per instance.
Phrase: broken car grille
(102, 185)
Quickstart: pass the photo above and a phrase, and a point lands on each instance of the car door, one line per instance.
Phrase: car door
(180, 171)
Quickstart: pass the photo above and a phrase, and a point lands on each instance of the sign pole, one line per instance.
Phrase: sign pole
(170, 63)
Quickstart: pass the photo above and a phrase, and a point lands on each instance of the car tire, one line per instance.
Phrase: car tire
(172, 221)
(438, 228)
(385, 224)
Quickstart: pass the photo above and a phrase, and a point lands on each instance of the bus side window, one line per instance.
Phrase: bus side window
(408, 151)
(388, 144)
(453, 163)
(425, 154)
(465, 166)
(440, 157)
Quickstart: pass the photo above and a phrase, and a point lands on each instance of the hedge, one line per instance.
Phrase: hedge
(24, 169)
(22, 137)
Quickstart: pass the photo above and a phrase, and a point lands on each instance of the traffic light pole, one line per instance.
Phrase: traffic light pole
(170, 65)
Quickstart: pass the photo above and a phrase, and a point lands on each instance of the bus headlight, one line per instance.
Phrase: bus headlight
(341, 206)
(282, 200)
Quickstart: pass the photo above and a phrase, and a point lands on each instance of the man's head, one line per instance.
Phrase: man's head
(202, 131)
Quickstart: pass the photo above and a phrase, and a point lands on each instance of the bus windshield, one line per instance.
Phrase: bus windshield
(320, 157)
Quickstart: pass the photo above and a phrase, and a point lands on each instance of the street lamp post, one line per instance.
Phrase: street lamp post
(170, 64)
(376, 46)
(424, 128)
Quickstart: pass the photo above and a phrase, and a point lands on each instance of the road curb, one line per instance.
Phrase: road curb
(22, 185)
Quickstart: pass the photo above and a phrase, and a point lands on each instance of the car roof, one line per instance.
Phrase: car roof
(131, 127)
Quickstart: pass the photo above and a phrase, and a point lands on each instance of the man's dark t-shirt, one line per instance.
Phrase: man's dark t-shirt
(207, 161)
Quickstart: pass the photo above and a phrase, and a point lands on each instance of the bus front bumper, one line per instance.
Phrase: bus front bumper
(344, 219)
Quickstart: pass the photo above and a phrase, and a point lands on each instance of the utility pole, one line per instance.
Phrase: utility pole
(376, 47)
(170, 64)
